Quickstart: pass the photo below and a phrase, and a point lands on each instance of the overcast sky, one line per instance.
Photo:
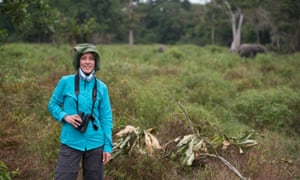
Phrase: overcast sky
(192, 1)
(199, 1)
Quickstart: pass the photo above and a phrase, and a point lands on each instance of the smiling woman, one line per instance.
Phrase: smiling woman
(80, 102)
(87, 63)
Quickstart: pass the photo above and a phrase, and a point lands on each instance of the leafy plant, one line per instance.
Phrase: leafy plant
(131, 139)
(224, 96)
(4, 173)
(272, 109)
(189, 147)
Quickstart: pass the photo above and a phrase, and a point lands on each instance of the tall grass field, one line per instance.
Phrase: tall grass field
(225, 101)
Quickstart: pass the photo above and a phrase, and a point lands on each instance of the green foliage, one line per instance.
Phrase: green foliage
(274, 109)
(167, 22)
(153, 104)
(4, 173)
(17, 10)
(3, 37)
(207, 90)
(189, 148)
(222, 94)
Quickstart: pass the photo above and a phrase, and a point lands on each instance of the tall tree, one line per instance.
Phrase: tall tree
(260, 20)
(165, 21)
(285, 24)
(236, 19)
(237, 12)
(130, 36)
(31, 19)
(236, 16)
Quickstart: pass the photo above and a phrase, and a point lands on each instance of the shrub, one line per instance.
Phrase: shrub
(207, 88)
(3, 36)
(153, 104)
(275, 109)
(144, 87)
(4, 173)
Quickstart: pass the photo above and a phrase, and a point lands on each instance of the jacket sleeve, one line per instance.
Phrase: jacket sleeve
(106, 119)
(56, 101)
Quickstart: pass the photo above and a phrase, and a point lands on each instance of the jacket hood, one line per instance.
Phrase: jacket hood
(80, 49)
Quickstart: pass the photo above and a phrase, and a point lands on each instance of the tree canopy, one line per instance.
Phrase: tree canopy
(154, 21)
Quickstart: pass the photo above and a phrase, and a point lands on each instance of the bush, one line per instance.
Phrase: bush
(153, 104)
(218, 90)
(4, 173)
(3, 36)
(274, 109)
(207, 88)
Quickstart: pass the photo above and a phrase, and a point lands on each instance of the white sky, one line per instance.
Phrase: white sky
(192, 1)
(199, 1)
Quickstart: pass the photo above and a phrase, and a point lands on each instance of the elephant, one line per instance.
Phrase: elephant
(161, 48)
(250, 50)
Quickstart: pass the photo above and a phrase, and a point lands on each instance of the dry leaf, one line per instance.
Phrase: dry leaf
(225, 144)
(128, 129)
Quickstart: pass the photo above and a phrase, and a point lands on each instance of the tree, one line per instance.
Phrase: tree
(284, 24)
(238, 12)
(29, 19)
(130, 23)
(165, 21)
(17, 11)
(14, 14)
(259, 18)
(236, 19)
(105, 18)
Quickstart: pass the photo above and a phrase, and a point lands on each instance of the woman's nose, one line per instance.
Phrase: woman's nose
(88, 60)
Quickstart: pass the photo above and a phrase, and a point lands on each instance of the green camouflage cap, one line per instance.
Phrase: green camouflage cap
(80, 49)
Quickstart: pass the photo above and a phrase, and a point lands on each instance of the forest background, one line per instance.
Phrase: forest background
(204, 103)
(273, 23)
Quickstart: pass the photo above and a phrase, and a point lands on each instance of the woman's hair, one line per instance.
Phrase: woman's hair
(81, 49)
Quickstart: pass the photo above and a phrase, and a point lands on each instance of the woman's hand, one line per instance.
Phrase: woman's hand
(74, 120)
(106, 157)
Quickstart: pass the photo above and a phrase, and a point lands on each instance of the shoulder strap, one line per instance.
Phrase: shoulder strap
(94, 93)
(76, 83)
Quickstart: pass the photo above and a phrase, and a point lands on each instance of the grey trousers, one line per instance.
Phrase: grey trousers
(68, 164)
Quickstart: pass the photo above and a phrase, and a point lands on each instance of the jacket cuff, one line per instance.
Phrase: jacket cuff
(107, 148)
(61, 116)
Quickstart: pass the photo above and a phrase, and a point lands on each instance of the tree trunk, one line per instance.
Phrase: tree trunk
(236, 28)
(257, 35)
(213, 30)
(130, 37)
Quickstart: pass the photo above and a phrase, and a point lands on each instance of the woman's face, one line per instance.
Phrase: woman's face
(87, 62)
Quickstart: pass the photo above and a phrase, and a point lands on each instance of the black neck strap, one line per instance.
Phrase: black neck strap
(94, 94)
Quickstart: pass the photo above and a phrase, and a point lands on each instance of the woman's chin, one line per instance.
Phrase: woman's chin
(87, 71)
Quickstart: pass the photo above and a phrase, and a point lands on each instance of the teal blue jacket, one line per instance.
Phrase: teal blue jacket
(63, 102)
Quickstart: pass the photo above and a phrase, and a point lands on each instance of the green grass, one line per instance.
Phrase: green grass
(221, 93)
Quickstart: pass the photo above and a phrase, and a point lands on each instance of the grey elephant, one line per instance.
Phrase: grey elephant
(250, 50)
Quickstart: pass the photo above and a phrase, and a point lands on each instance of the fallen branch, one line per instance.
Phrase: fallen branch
(187, 117)
(226, 163)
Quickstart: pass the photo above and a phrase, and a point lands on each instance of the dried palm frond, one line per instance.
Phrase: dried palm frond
(132, 139)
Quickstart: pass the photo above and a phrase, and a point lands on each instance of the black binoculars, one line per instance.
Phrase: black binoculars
(85, 121)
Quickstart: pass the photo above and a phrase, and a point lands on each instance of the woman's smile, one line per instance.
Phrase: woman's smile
(87, 63)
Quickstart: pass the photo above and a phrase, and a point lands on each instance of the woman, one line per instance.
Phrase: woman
(81, 103)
